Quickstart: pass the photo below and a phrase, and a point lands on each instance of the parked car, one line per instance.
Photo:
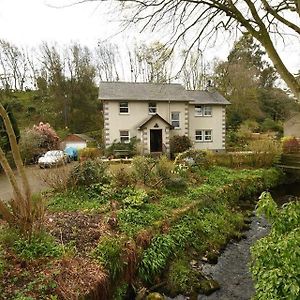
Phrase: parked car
(52, 158)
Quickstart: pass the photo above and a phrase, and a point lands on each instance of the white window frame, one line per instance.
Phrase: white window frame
(203, 135)
(126, 136)
(152, 108)
(203, 110)
(175, 120)
(123, 107)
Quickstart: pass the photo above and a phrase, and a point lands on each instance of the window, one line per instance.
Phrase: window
(124, 136)
(124, 108)
(203, 110)
(207, 135)
(203, 135)
(198, 135)
(152, 108)
(175, 119)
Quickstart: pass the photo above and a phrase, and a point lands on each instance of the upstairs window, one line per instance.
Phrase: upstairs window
(152, 108)
(203, 110)
(124, 136)
(175, 119)
(124, 108)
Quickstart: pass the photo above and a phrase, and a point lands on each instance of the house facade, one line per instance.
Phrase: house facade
(154, 113)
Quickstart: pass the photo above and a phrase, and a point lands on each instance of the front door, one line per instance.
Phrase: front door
(155, 140)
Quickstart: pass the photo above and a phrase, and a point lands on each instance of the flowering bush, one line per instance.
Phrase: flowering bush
(50, 138)
(290, 144)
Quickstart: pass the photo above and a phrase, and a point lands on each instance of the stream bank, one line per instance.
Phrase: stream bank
(232, 271)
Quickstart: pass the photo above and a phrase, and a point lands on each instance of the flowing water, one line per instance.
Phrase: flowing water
(232, 271)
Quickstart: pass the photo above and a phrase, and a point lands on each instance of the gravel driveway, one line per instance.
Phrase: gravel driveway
(35, 176)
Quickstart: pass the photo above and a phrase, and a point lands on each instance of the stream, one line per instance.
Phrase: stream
(232, 271)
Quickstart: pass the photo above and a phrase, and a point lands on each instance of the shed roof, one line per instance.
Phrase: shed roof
(138, 91)
(82, 136)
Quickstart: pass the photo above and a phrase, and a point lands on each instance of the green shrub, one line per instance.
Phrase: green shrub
(180, 277)
(290, 145)
(276, 258)
(142, 168)
(89, 153)
(271, 125)
(179, 143)
(40, 246)
(122, 178)
(264, 152)
(136, 200)
(109, 254)
(193, 158)
(152, 172)
(155, 257)
(89, 172)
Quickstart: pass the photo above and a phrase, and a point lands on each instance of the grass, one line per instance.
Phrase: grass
(152, 228)
(76, 200)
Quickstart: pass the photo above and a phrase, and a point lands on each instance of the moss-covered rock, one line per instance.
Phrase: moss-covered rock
(155, 296)
(208, 286)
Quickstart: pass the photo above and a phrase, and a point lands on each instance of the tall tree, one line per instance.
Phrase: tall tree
(14, 68)
(106, 59)
(198, 19)
(248, 80)
(193, 71)
(152, 63)
(81, 91)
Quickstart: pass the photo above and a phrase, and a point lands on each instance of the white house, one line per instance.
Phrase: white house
(155, 112)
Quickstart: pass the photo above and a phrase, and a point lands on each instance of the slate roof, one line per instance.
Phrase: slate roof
(138, 91)
(151, 118)
(206, 97)
(142, 91)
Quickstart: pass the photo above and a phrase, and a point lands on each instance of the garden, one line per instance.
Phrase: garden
(111, 232)
(128, 231)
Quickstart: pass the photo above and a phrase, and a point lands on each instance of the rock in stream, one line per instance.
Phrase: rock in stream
(232, 270)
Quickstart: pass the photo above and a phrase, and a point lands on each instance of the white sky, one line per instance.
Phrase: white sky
(29, 22)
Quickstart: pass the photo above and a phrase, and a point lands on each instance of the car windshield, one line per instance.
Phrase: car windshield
(54, 153)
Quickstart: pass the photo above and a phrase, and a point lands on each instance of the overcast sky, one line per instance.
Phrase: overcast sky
(29, 22)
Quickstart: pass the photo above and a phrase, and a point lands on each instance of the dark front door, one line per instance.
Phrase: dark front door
(155, 140)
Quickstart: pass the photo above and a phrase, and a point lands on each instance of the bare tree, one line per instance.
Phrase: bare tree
(14, 65)
(151, 63)
(107, 56)
(193, 72)
(265, 20)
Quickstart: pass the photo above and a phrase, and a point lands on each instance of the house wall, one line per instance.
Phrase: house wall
(292, 126)
(216, 123)
(138, 112)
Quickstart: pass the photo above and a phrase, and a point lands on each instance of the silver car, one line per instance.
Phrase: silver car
(52, 158)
